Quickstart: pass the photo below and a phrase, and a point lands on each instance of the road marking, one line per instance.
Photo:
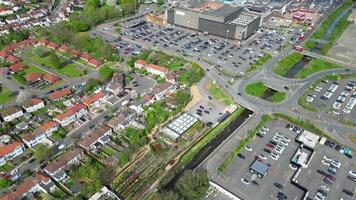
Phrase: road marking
(309, 172)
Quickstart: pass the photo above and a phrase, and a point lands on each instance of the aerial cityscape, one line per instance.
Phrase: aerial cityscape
(177, 100)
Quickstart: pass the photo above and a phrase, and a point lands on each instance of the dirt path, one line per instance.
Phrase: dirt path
(197, 97)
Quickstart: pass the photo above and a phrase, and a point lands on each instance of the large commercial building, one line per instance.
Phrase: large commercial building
(216, 19)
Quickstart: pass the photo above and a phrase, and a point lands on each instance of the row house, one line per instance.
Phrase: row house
(32, 185)
(117, 84)
(10, 151)
(66, 118)
(95, 100)
(32, 105)
(38, 136)
(17, 67)
(57, 168)
(79, 110)
(11, 113)
(5, 11)
(59, 94)
(151, 68)
(163, 90)
(122, 120)
(99, 136)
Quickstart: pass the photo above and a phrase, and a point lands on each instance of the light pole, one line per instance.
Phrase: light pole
(227, 35)
(188, 25)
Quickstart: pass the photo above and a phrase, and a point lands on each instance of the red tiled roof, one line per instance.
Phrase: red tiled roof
(3, 54)
(53, 45)
(17, 67)
(48, 125)
(50, 78)
(64, 115)
(63, 159)
(64, 48)
(141, 62)
(9, 148)
(93, 137)
(94, 63)
(75, 52)
(85, 56)
(77, 107)
(31, 102)
(43, 41)
(91, 99)
(33, 77)
(12, 59)
(59, 94)
(157, 67)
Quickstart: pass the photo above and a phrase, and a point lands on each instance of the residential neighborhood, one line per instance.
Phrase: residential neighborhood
(177, 99)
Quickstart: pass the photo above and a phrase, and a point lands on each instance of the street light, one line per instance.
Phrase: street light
(227, 35)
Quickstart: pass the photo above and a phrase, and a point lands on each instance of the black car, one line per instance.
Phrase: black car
(338, 147)
(279, 186)
(267, 150)
(209, 124)
(241, 156)
(254, 182)
(322, 172)
(273, 142)
(348, 192)
(259, 135)
(202, 107)
(209, 97)
(206, 111)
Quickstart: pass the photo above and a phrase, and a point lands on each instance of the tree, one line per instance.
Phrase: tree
(166, 195)
(193, 185)
(182, 97)
(106, 72)
(42, 152)
(55, 61)
(160, 2)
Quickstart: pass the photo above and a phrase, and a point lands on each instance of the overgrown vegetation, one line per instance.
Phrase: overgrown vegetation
(219, 94)
(282, 67)
(315, 65)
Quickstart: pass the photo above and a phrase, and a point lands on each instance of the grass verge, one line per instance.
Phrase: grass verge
(315, 65)
(282, 67)
(209, 136)
(256, 89)
(5, 96)
(277, 97)
(261, 61)
(237, 149)
(219, 94)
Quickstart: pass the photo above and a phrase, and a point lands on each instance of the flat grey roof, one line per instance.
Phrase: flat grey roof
(259, 167)
(223, 11)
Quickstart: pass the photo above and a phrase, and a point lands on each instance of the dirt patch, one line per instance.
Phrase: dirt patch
(197, 97)
(352, 137)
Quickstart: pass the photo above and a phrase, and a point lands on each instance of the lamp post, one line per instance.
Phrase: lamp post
(227, 35)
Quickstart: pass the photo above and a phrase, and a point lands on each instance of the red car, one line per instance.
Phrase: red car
(270, 145)
(331, 177)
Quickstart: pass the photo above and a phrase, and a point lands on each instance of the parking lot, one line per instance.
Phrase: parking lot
(230, 56)
(275, 146)
(335, 97)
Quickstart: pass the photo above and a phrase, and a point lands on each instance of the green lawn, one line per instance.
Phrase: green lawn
(219, 94)
(33, 69)
(286, 63)
(5, 96)
(315, 65)
(71, 70)
(108, 150)
(6, 168)
(277, 97)
(256, 89)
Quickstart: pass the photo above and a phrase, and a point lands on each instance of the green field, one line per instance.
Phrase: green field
(5, 96)
(277, 97)
(286, 63)
(219, 94)
(71, 70)
(315, 65)
(256, 89)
